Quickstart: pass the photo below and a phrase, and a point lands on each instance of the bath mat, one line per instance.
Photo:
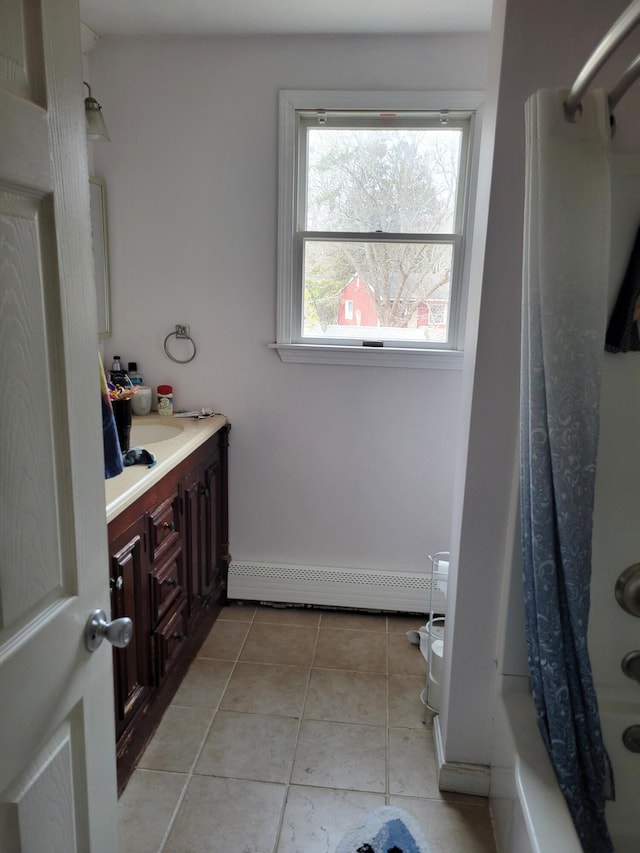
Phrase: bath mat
(385, 830)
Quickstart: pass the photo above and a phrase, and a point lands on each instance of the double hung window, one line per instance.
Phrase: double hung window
(373, 210)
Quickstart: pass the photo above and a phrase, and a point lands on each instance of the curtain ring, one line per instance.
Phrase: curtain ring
(182, 338)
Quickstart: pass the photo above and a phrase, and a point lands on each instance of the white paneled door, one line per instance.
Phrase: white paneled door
(57, 761)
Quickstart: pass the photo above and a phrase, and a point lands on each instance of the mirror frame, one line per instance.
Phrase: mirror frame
(98, 199)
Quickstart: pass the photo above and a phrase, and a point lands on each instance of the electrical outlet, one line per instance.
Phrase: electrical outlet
(182, 331)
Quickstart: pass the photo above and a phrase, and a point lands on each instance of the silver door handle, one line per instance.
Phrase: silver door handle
(630, 665)
(118, 632)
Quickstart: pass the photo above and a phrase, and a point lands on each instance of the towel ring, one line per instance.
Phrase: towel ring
(182, 338)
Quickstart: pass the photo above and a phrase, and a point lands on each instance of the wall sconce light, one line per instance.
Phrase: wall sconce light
(96, 128)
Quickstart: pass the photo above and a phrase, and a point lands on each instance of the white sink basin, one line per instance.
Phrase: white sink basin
(144, 434)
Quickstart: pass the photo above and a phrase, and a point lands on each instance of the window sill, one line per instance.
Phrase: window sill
(432, 359)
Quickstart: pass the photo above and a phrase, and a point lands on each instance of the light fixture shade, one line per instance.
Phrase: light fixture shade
(96, 127)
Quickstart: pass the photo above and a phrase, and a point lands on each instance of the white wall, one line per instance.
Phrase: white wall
(545, 45)
(329, 465)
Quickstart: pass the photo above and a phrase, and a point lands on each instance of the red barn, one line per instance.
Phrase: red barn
(356, 307)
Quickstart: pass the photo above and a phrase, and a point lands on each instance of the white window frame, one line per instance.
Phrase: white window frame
(348, 309)
(289, 322)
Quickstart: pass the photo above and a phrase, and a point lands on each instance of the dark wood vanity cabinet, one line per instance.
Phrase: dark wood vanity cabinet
(169, 555)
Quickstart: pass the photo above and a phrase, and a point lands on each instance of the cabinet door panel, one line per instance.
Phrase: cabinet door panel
(131, 664)
(212, 570)
(193, 495)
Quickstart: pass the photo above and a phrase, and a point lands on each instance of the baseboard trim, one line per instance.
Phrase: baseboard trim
(331, 586)
(474, 779)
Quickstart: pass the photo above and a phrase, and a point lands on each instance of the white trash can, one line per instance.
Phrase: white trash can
(435, 675)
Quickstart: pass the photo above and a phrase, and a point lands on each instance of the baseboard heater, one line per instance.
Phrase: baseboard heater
(327, 586)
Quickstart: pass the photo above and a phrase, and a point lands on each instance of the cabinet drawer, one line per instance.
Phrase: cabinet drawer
(164, 523)
(166, 582)
(169, 638)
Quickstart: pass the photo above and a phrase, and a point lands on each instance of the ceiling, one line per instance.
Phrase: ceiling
(271, 17)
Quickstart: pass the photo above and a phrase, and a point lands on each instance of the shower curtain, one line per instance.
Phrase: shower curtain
(565, 274)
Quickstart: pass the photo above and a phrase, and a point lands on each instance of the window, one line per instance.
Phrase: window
(373, 213)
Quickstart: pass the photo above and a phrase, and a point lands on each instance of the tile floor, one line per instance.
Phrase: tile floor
(290, 725)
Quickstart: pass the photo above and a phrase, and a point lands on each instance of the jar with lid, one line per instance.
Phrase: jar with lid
(165, 399)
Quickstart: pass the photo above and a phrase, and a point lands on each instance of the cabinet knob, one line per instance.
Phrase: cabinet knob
(169, 525)
(171, 582)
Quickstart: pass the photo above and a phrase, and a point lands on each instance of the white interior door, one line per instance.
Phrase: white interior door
(57, 753)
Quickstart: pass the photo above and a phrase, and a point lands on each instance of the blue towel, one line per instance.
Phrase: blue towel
(385, 830)
(139, 456)
(112, 454)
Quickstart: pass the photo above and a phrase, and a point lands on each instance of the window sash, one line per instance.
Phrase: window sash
(293, 106)
(453, 240)
(366, 120)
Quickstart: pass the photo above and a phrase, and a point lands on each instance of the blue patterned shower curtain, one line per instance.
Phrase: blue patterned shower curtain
(565, 274)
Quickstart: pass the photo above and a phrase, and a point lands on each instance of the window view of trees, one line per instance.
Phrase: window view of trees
(382, 183)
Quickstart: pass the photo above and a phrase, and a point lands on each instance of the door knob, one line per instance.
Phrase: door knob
(627, 589)
(631, 665)
(118, 632)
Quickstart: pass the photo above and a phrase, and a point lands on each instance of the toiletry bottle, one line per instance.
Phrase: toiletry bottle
(117, 374)
(165, 400)
(134, 376)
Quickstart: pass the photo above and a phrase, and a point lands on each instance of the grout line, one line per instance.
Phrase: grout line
(295, 747)
(194, 763)
(174, 814)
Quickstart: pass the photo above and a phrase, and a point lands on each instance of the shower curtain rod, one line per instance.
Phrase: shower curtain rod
(611, 41)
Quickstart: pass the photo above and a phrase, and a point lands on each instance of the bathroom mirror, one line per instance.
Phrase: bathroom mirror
(97, 193)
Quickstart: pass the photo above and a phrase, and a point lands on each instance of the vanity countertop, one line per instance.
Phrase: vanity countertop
(123, 490)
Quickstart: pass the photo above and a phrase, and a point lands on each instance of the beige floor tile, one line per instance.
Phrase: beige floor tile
(177, 740)
(238, 612)
(405, 706)
(145, 810)
(347, 697)
(303, 616)
(283, 644)
(257, 688)
(340, 755)
(225, 640)
(204, 684)
(364, 677)
(249, 746)
(365, 651)
(400, 623)
(412, 763)
(227, 815)
(354, 621)
(451, 827)
(405, 658)
(315, 819)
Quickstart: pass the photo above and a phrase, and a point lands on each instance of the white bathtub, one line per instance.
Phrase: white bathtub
(623, 818)
(529, 812)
